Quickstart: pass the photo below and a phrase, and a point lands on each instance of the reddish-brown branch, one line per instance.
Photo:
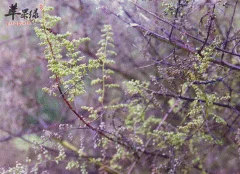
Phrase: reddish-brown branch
(211, 18)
